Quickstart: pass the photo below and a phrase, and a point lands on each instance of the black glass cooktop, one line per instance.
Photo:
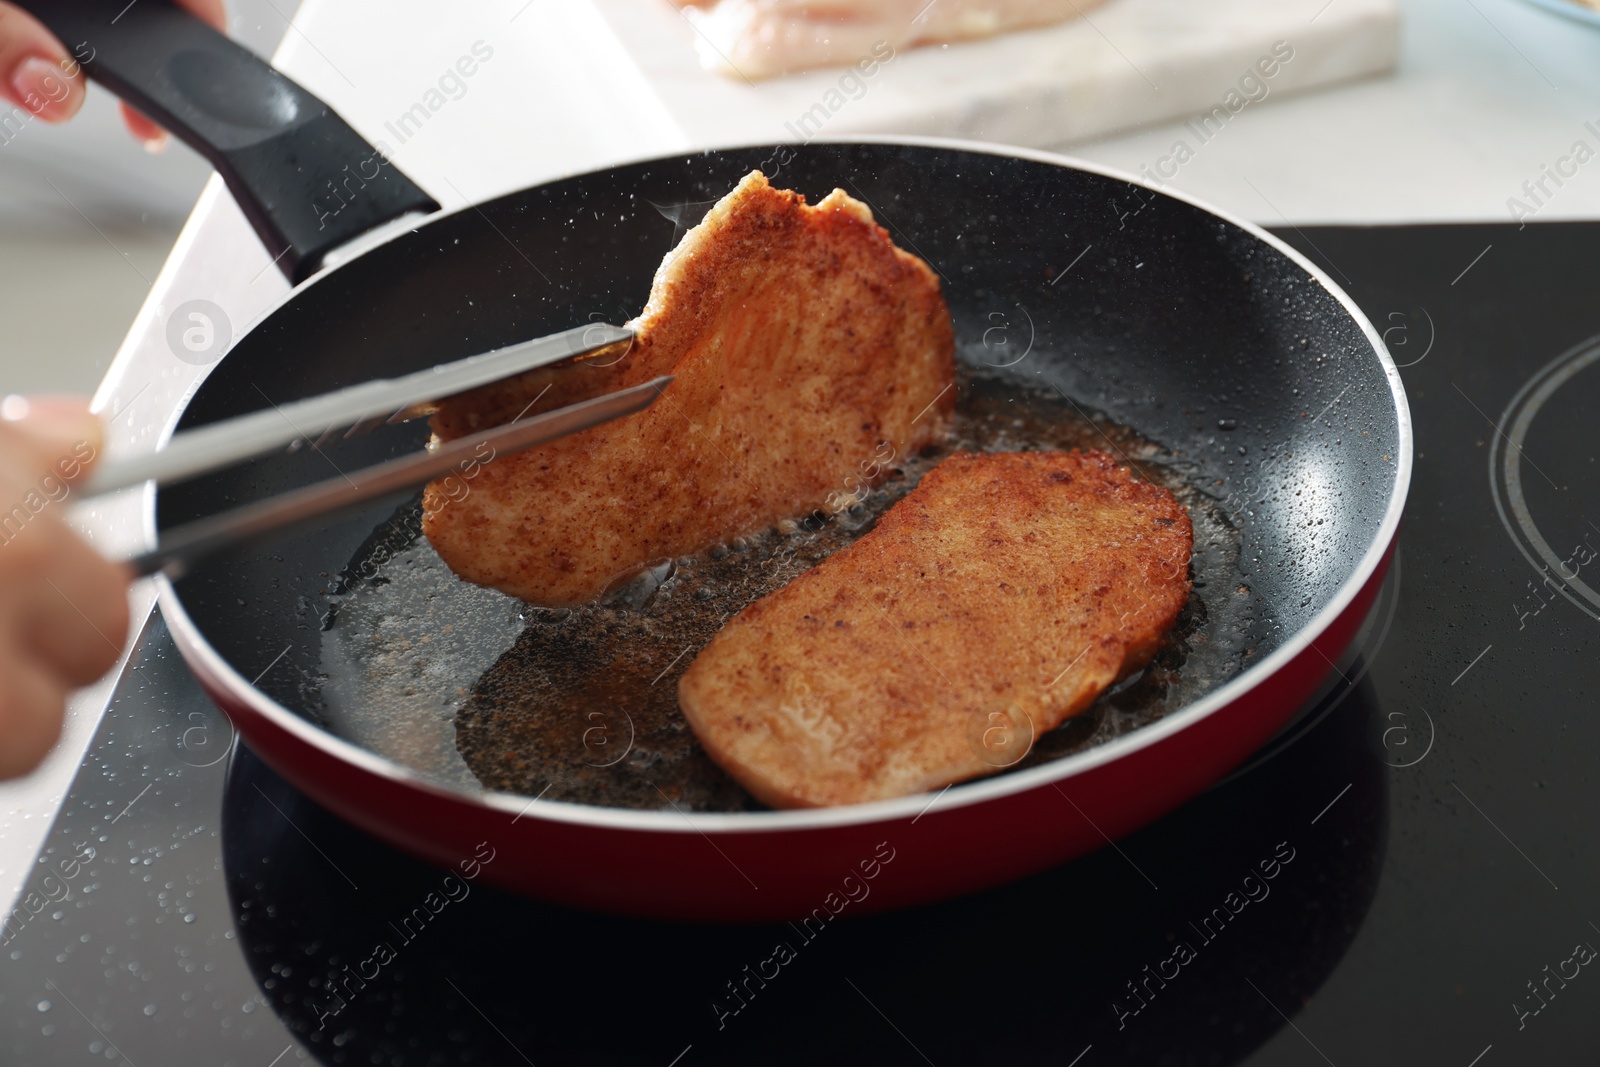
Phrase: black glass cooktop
(1428, 822)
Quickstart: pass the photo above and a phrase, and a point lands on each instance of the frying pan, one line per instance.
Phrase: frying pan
(1271, 390)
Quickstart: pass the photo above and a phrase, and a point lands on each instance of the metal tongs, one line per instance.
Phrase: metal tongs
(355, 410)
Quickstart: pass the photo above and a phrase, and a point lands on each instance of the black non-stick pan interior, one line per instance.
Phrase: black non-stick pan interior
(1142, 309)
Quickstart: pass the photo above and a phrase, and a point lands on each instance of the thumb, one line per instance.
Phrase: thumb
(60, 434)
(36, 72)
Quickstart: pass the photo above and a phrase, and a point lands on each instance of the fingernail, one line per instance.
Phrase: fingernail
(45, 89)
(157, 144)
(58, 423)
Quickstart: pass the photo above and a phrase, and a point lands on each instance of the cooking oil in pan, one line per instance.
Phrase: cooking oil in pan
(476, 689)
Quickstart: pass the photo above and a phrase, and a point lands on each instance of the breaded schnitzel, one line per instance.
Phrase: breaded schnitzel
(801, 339)
(999, 598)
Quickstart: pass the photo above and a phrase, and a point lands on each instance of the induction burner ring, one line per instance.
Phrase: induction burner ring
(1505, 474)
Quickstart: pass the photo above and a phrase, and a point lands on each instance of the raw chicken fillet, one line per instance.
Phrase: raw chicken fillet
(763, 38)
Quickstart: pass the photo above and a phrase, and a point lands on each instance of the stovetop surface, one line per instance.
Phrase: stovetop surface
(1433, 898)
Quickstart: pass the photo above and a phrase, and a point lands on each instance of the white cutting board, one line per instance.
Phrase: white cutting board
(1128, 63)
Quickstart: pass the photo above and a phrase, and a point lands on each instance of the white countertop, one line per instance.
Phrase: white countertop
(1487, 92)
(1131, 63)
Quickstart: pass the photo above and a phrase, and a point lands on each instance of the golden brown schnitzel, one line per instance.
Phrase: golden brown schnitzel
(999, 598)
(801, 339)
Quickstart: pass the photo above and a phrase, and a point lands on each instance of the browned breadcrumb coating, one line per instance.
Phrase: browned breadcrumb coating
(1021, 581)
(801, 339)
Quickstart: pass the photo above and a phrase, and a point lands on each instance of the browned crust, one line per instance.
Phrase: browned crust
(801, 339)
(1028, 580)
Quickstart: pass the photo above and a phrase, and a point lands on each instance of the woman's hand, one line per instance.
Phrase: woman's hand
(40, 75)
(63, 608)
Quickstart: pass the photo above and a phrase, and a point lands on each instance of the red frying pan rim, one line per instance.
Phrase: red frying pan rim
(206, 662)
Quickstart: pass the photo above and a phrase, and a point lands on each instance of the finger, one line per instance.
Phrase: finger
(153, 137)
(75, 601)
(148, 132)
(36, 72)
(211, 11)
(54, 436)
(31, 707)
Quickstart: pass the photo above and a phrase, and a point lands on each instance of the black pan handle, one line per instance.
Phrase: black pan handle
(305, 179)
